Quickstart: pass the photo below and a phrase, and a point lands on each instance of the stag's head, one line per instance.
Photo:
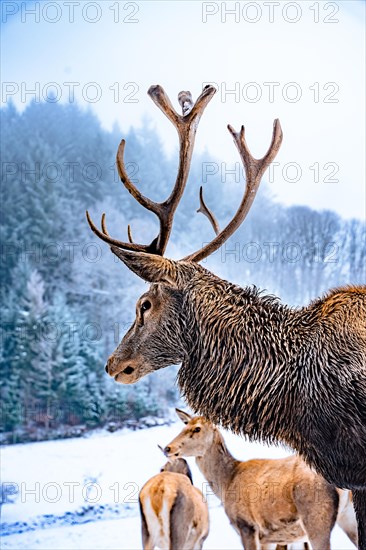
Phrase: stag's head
(156, 339)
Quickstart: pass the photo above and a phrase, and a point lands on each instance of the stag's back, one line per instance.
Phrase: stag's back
(344, 311)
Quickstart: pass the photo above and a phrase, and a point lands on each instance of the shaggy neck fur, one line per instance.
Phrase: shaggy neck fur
(277, 374)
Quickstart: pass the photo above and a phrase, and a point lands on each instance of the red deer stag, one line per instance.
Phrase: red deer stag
(279, 501)
(248, 362)
(173, 512)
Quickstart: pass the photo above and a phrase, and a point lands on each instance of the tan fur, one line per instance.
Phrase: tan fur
(341, 298)
(173, 513)
(274, 501)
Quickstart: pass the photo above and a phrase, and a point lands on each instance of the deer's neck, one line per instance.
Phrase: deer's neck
(218, 466)
(242, 359)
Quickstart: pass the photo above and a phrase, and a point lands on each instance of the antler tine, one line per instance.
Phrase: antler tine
(104, 235)
(159, 97)
(105, 231)
(203, 209)
(103, 224)
(191, 111)
(129, 233)
(144, 201)
(254, 170)
(186, 102)
(131, 188)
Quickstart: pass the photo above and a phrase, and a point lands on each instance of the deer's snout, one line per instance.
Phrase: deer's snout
(115, 367)
(169, 452)
(126, 367)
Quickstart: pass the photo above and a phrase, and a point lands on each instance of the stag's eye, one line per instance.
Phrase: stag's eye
(196, 430)
(145, 306)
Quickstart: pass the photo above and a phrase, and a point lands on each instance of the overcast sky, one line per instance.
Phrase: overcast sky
(303, 62)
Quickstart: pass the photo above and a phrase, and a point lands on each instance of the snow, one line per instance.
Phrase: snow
(104, 471)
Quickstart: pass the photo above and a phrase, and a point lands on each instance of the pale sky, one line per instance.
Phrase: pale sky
(303, 62)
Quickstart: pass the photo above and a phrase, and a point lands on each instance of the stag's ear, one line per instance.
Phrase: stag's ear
(150, 267)
(185, 417)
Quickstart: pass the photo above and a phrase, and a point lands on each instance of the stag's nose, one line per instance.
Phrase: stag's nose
(114, 367)
(111, 365)
(166, 451)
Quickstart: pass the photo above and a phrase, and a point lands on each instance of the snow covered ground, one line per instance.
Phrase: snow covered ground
(82, 493)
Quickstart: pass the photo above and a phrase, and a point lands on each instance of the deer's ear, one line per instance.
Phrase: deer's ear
(185, 417)
(150, 267)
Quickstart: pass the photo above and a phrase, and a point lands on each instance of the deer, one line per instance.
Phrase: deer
(268, 501)
(248, 362)
(173, 512)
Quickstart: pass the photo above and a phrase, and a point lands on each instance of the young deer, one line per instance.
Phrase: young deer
(248, 362)
(174, 514)
(267, 501)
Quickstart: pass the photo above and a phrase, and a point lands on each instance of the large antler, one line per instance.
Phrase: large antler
(186, 126)
(254, 170)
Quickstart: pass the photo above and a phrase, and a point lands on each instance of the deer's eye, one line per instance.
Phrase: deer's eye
(196, 430)
(145, 306)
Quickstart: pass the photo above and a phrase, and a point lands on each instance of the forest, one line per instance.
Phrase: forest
(66, 301)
